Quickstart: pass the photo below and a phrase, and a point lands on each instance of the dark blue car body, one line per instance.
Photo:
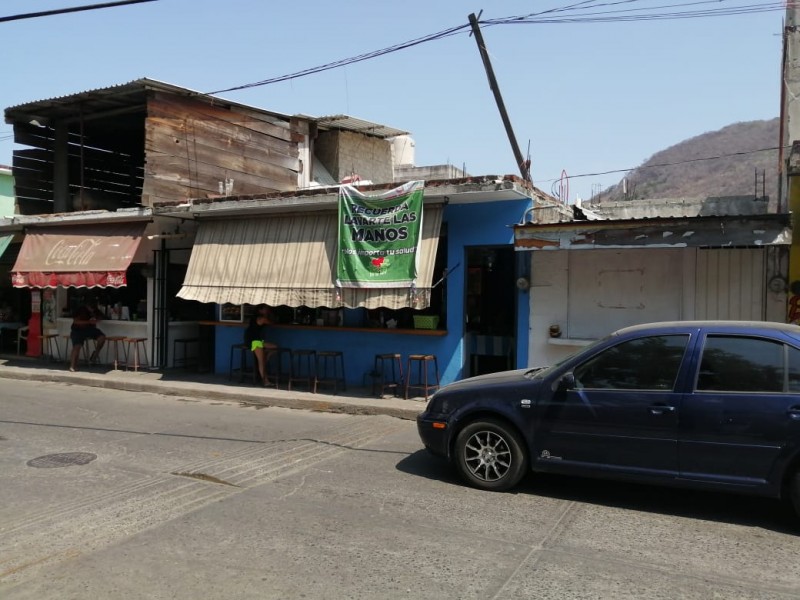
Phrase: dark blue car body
(713, 404)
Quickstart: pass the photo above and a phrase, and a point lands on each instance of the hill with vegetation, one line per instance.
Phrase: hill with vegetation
(729, 162)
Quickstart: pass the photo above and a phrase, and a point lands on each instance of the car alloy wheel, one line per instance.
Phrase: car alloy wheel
(489, 455)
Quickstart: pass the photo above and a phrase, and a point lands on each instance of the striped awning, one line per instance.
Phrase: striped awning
(290, 259)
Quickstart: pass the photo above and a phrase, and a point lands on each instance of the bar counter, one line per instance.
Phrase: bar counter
(113, 327)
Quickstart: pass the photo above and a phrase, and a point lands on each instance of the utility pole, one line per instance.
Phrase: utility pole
(524, 166)
(790, 92)
(789, 162)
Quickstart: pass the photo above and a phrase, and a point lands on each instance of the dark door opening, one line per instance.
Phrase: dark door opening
(491, 309)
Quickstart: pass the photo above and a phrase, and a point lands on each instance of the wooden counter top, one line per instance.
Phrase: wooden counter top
(428, 332)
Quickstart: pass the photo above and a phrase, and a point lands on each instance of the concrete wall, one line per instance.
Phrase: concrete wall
(410, 172)
(346, 152)
(6, 192)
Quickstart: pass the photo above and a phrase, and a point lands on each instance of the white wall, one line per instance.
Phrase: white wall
(590, 293)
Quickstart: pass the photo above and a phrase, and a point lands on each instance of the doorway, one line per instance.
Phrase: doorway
(490, 309)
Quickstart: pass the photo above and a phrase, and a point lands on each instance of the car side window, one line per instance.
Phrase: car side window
(649, 363)
(794, 369)
(742, 364)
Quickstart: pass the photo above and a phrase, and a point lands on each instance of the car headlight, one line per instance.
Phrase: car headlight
(440, 403)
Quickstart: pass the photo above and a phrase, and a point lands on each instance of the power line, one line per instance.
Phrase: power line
(618, 16)
(669, 164)
(61, 11)
(349, 61)
(542, 17)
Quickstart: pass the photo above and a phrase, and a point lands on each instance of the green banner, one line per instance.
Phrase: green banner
(379, 237)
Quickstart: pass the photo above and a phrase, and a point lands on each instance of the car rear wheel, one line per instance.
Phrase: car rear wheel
(489, 455)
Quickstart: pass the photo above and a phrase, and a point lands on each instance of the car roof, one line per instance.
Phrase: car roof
(719, 325)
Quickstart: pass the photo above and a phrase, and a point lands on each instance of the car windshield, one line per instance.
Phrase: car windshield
(539, 372)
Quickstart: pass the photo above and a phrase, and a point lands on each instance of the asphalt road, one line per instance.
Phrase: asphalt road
(113, 494)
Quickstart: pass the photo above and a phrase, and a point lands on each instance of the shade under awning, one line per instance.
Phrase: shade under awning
(96, 255)
(5, 240)
(290, 260)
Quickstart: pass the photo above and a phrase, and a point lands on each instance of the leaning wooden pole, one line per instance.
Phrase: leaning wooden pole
(524, 168)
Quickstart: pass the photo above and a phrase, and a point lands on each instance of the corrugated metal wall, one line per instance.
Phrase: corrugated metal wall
(730, 283)
(610, 289)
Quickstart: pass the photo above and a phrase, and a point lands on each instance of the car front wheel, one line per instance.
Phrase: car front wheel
(489, 455)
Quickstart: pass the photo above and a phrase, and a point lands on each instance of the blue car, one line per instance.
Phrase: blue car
(695, 404)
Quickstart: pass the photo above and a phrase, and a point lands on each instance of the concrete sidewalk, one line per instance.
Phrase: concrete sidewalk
(175, 382)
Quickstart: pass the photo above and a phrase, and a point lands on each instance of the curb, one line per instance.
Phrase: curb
(212, 392)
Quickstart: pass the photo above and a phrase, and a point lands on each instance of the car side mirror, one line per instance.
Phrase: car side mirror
(566, 382)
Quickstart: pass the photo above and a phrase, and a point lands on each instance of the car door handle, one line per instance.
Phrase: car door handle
(661, 409)
(794, 412)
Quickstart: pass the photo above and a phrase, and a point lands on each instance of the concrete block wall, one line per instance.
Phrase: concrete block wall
(346, 152)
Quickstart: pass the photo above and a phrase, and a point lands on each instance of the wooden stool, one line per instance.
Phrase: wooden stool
(330, 369)
(84, 347)
(279, 365)
(50, 347)
(184, 360)
(422, 362)
(133, 354)
(87, 355)
(381, 381)
(244, 351)
(304, 369)
(113, 343)
(67, 340)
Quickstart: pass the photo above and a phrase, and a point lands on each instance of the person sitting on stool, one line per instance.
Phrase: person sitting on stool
(254, 337)
(84, 327)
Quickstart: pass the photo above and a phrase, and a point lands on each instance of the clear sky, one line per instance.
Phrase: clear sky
(584, 97)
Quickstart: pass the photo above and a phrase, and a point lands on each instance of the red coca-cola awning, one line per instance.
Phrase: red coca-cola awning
(96, 255)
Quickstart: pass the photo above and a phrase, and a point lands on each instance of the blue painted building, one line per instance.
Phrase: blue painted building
(476, 288)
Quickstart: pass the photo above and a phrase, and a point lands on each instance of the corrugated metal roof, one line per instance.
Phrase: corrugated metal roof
(348, 123)
(661, 232)
(658, 208)
(133, 93)
(120, 96)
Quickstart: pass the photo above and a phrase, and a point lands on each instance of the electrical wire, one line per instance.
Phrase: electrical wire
(349, 61)
(669, 164)
(542, 17)
(61, 11)
(616, 16)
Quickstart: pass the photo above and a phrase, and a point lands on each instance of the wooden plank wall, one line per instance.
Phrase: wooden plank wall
(191, 146)
(33, 168)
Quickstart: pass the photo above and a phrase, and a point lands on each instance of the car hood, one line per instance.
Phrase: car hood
(492, 380)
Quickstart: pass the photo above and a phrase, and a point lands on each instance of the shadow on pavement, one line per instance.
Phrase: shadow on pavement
(162, 375)
(749, 511)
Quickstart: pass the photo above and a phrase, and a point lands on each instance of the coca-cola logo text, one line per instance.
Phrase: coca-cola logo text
(72, 255)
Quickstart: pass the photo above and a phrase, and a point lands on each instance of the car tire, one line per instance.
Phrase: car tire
(490, 455)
